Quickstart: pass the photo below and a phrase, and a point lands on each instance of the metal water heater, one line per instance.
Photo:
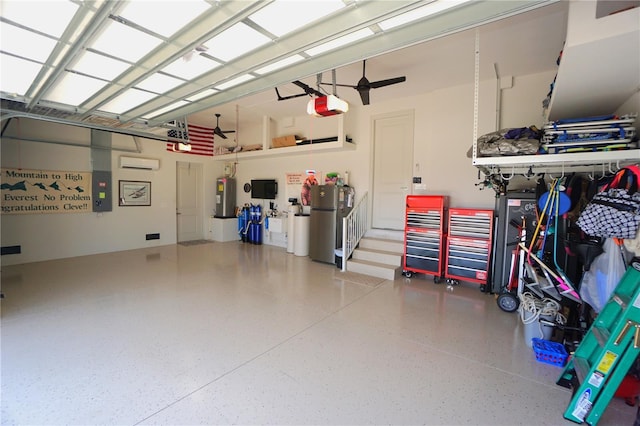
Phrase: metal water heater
(225, 197)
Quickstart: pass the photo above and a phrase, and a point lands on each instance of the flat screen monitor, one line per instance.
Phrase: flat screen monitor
(264, 189)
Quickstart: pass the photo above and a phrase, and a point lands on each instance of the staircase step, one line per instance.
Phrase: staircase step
(374, 269)
(386, 234)
(382, 244)
(379, 256)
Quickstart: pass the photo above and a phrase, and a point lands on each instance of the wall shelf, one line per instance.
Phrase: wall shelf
(577, 161)
(267, 151)
(587, 84)
(288, 150)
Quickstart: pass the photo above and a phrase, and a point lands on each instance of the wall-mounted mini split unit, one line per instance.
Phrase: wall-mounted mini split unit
(139, 163)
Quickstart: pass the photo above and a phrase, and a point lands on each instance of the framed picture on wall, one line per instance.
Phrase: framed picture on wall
(134, 193)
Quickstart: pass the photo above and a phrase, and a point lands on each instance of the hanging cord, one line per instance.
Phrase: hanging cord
(537, 307)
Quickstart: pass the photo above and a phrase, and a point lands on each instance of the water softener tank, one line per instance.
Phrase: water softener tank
(294, 209)
(246, 219)
(257, 233)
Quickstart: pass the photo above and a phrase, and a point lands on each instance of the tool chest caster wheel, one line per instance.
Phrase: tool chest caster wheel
(436, 280)
(407, 274)
(508, 302)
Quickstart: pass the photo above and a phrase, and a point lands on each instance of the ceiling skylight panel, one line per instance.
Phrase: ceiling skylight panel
(24, 13)
(167, 17)
(124, 42)
(16, 75)
(340, 41)
(235, 81)
(205, 93)
(168, 108)
(421, 12)
(100, 66)
(159, 83)
(190, 69)
(280, 64)
(235, 41)
(298, 14)
(126, 101)
(73, 89)
(25, 43)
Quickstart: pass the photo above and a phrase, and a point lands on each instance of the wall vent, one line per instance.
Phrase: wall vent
(10, 250)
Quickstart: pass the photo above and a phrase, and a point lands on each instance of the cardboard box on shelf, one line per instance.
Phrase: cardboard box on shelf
(289, 140)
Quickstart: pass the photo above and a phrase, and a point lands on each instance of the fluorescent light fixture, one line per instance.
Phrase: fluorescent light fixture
(235, 41)
(126, 101)
(25, 43)
(16, 75)
(73, 89)
(167, 17)
(168, 108)
(204, 94)
(421, 12)
(284, 16)
(100, 66)
(49, 17)
(124, 42)
(324, 106)
(280, 64)
(339, 42)
(192, 68)
(235, 81)
(159, 83)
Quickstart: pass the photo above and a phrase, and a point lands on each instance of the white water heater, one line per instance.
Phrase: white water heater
(225, 197)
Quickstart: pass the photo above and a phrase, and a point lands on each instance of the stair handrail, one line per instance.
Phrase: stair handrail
(354, 226)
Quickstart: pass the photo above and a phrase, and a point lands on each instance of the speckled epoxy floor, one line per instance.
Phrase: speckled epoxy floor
(227, 333)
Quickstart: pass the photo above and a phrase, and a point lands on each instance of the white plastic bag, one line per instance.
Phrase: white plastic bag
(604, 275)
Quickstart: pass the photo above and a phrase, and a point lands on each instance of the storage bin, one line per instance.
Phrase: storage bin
(550, 352)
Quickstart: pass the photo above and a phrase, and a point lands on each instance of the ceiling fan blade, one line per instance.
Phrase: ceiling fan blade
(219, 132)
(340, 85)
(307, 89)
(387, 82)
(364, 95)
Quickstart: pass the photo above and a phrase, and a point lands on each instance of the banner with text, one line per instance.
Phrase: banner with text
(45, 191)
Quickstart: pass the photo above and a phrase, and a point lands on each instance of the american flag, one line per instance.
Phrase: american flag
(201, 139)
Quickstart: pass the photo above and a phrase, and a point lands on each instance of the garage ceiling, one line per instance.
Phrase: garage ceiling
(136, 66)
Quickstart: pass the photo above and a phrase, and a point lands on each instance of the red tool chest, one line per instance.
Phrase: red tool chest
(468, 252)
(425, 234)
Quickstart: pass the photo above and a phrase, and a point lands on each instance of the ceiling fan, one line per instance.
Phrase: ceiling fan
(218, 131)
(364, 85)
(308, 91)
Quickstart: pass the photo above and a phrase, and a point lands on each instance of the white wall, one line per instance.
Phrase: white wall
(53, 236)
(443, 135)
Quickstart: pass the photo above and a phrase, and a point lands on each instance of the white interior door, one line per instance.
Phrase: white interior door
(189, 201)
(392, 169)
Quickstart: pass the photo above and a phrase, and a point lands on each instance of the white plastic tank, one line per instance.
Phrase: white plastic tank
(293, 210)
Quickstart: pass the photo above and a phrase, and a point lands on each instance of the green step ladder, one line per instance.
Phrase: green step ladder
(606, 353)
